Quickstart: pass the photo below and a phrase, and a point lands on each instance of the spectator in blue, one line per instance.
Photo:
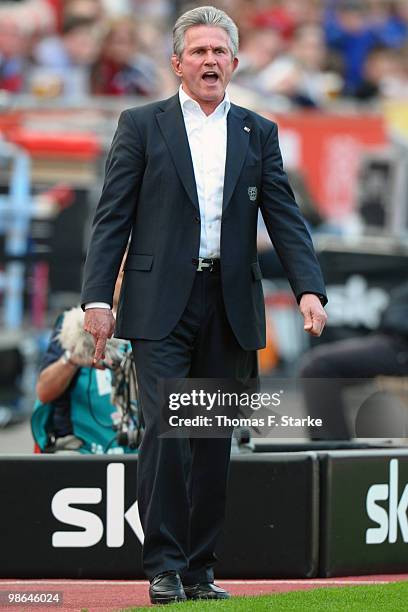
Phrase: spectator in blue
(388, 23)
(352, 29)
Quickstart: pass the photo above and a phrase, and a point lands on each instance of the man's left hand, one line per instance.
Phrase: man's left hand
(314, 315)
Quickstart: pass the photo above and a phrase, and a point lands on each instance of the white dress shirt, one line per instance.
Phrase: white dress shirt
(207, 137)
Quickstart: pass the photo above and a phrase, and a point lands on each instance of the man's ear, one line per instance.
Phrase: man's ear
(176, 65)
(235, 63)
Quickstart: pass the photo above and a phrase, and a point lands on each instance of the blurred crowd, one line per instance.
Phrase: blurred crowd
(303, 53)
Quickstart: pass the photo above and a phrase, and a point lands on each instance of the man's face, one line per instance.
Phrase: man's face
(206, 64)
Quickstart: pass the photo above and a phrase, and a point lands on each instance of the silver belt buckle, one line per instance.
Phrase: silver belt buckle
(202, 265)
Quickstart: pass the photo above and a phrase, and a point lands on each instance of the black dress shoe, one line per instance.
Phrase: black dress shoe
(205, 590)
(166, 588)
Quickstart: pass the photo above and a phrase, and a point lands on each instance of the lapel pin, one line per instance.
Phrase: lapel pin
(247, 129)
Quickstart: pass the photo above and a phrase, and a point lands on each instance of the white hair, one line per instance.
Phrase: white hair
(204, 15)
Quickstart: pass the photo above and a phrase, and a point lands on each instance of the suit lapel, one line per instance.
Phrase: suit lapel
(237, 147)
(172, 126)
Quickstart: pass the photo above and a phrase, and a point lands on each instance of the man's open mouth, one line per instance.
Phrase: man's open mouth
(210, 77)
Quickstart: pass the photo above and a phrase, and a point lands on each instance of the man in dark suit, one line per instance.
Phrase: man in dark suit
(186, 177)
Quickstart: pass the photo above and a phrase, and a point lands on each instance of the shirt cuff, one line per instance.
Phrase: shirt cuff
(97, 305)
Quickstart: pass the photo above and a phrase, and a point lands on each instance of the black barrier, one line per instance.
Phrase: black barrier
(364, 499)
(272, 517)
(66, 517)
(76, 517)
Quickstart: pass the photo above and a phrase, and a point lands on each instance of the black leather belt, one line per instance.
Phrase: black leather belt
(204, 263)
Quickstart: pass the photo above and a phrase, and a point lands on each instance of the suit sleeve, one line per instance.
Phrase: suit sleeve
(285, 224)
(114, 215)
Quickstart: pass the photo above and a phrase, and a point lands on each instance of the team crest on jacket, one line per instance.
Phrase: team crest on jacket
(253, 193)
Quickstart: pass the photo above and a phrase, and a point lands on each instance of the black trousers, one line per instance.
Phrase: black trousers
(182, 481)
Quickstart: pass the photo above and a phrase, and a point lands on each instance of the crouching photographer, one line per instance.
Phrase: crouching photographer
(83, 407)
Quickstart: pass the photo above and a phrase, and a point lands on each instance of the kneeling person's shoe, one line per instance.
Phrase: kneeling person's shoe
(205, 590)
(67, 444)
(166, 588)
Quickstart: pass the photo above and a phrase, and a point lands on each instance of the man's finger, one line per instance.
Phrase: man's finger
(99, 349)
(307, 321)
(317, 326)
(316, 329)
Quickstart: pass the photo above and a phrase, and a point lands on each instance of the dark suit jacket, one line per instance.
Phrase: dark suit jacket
(150, 189)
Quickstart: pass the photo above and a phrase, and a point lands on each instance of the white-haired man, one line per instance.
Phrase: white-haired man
(186, 176)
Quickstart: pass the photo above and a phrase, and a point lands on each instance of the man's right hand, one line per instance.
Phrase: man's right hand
(99, 322)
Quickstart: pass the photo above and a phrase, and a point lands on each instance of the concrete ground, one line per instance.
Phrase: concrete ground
(16, 439)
